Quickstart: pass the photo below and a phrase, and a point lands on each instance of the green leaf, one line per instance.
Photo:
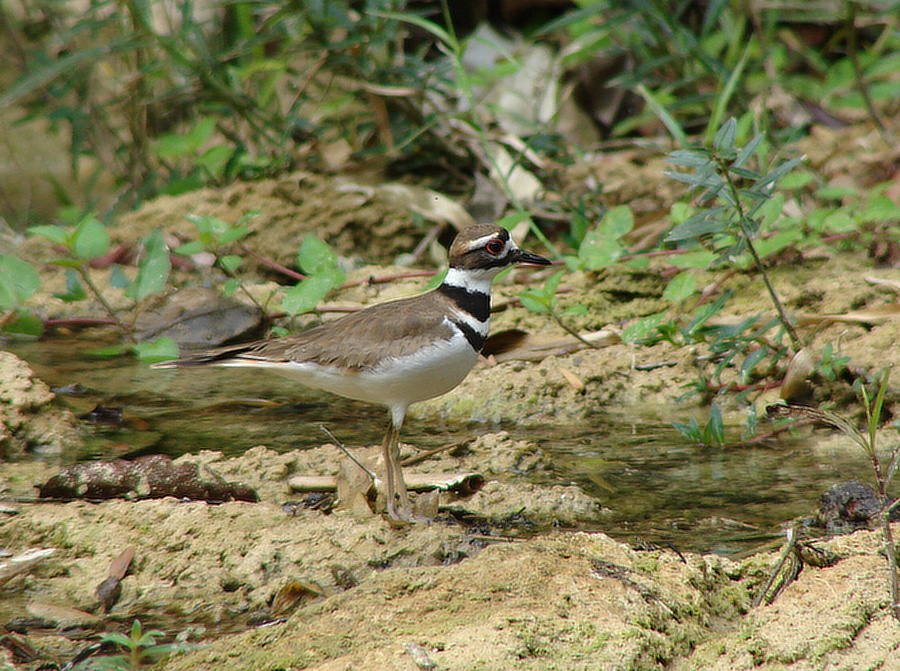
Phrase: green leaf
(510, 221)
(690, 158)
(704, 314)
(314, 256)
(723, 100)
(663, 115)
(680, 287)
(552, 283)
(230, 262)
(725, 137)
(750, 362)
(617, 221)
(597, 251)
(840, 222)
(230, 287)
(176, 145)
(837, 193)
(306, 295)
(75, 264)
(57, 234)
(797, 180)
(689, 430)
(542, 300)
(24, 323)
(706, 221)
(744, 173)
(680, 212)
(233, 234)
(117, 638)
(153, 270)
(601, 247)
(216, 160)
(154, 351)
(643, 328)
(702, 178)
(207, 227)
(880, 209)
(534, 301)
(578, 226)
(748, 151)
(714, 433)
(779, 172)
(90, 239)
(18, 282)
(75, 290)
(62, 66)
(699, 260)
(118, 278)
(765, 247)
(190, 248)
(428, 26)
(437, 280)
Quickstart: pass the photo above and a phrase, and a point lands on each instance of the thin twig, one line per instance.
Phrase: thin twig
(787, 554)
(415, 459)
(572, 332)
(343, 449)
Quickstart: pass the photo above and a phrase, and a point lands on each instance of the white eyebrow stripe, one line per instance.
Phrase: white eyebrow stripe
(482, 241)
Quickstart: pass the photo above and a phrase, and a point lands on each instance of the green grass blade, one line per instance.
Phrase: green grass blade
(674, 128)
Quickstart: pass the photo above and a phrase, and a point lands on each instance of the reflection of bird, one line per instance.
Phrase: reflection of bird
(394, 353)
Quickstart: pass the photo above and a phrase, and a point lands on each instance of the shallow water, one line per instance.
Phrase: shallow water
(655, 487)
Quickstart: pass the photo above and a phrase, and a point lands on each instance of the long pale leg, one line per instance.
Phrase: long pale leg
(399, 510)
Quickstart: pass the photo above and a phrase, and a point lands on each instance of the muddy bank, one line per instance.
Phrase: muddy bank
(484, 597)
(29, 421)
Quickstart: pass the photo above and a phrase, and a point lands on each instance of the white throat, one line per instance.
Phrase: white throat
(472, 279)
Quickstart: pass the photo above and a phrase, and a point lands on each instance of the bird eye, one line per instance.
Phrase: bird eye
(495, 246)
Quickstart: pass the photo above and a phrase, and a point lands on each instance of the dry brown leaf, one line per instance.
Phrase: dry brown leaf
(118, 567)
(795, 388)
(572, 379)
(295, 592)
(62, 616)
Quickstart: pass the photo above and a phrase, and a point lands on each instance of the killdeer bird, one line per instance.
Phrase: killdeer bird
(395, 353)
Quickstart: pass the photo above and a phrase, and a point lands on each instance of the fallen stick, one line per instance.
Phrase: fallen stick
(463, 484)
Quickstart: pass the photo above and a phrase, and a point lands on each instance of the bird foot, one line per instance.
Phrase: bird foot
(399, 516)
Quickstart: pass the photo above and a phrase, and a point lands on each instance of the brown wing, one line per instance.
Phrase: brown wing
(356, 341)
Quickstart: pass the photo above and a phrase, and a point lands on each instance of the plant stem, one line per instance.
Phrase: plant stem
(853, 52)
(86, 278)
(757, 261)
(890, 550)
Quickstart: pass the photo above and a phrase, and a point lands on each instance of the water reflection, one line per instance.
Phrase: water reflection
(728, 501)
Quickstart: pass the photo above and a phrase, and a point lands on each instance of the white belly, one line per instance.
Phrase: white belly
(396, 382)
